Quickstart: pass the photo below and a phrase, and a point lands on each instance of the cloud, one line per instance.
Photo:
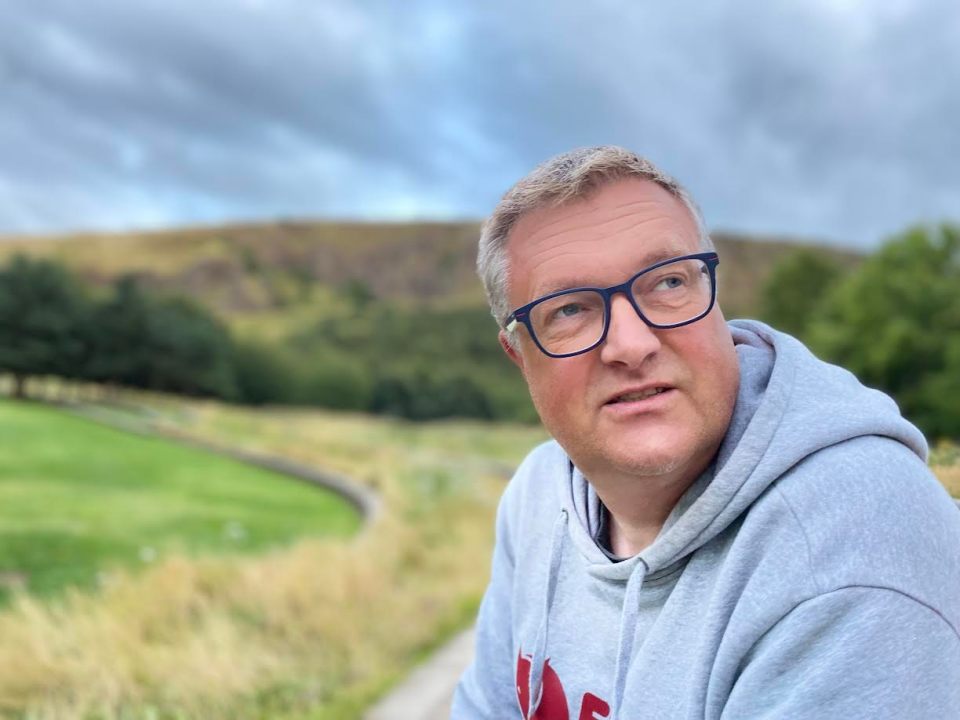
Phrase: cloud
(827, 119)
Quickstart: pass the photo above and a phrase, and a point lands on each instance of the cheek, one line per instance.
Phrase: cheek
(711, 360)
(718, 377)
(556, 386)
(710, 343)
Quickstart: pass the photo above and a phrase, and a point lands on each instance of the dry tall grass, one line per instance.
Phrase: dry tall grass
(945, 463)
(310, 631)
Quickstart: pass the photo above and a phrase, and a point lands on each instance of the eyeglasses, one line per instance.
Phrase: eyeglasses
(669, 294)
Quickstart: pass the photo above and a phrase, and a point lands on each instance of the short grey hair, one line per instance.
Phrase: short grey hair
(571, 176)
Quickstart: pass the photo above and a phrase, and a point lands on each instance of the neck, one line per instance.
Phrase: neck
(639, 507)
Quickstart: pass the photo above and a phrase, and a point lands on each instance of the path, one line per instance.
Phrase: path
(427, 693)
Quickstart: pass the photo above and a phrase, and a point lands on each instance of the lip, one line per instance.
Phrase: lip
(652, 403)
(611, 399)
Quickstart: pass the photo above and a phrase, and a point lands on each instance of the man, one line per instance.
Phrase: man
(724, 526)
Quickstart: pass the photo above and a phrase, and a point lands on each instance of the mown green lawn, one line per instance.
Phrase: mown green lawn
(77, 499)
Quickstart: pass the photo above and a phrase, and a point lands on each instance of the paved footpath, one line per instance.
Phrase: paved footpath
(427, 693)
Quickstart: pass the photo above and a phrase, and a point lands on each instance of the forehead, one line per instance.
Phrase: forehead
(598, 240)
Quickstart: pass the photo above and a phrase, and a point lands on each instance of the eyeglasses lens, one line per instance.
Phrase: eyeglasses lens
(668, 295)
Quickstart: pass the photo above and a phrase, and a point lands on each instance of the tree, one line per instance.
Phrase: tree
(895, 323)
(160, 343)
(42, 315)
(190, 351)
(264, 374)
(798, 285)
(120, 337)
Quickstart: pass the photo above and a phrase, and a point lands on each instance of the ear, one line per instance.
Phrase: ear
(510, 350)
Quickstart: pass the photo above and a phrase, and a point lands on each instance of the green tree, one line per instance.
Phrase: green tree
(42, 315)
(796, 289)
(895, 323)
(335, 380)
(120, 336)
(190, 351)
(423, 362)
(160, 343)
(264, 374)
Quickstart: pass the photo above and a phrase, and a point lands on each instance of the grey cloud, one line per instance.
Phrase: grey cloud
(808, 118)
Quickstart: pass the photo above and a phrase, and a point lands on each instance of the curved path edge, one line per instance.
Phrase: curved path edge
(364, 500)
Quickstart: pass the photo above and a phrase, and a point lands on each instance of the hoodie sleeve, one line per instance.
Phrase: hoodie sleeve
(488, 689)
(856, 652)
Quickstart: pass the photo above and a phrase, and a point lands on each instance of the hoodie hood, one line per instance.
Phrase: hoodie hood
(789, 405)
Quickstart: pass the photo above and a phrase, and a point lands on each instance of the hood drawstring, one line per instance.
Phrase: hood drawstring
(628, 624)
(535, 687)
(628, 629)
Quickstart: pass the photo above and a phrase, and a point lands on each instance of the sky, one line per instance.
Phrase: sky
(832, 120)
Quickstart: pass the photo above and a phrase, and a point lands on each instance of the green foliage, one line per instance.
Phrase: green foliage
(43, 317)
(189, 349)
(119, 337)
(49, 326)
(424, 363)
(334, 380)
(159, 343)
(263, 374)
(419, 394)
(796, 289)
(370, 355)
(895, 323)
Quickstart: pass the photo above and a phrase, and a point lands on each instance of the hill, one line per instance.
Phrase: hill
(278, 274)
(375, 317)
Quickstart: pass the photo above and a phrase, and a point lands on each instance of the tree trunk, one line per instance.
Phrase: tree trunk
(19, 386)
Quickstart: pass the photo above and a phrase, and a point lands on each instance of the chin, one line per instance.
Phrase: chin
(645, 458)
(650, 465)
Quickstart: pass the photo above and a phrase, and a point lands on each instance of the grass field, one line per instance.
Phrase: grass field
(77, 499)
(311, 631)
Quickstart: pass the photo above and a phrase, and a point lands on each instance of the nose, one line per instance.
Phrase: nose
(630, 341)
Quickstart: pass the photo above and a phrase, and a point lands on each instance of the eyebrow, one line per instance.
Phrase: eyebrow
(576, 281)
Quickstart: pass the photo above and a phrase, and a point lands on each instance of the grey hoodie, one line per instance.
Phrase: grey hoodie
(813, 571)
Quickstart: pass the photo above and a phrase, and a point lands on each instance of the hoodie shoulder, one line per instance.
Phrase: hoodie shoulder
(541, 477)
(871, 514)
(541, 465)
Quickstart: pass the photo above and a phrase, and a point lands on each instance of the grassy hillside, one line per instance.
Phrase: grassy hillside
(78, 499)
(273, 278)
(313, 630)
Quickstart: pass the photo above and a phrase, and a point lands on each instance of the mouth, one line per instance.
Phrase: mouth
(632, 396)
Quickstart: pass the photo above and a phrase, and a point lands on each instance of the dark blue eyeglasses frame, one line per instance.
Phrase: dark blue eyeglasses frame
(522, 313)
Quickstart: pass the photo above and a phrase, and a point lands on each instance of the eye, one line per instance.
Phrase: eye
(568, 310)
(670, 283)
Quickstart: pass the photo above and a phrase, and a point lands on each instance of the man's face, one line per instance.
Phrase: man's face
(617, 231)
